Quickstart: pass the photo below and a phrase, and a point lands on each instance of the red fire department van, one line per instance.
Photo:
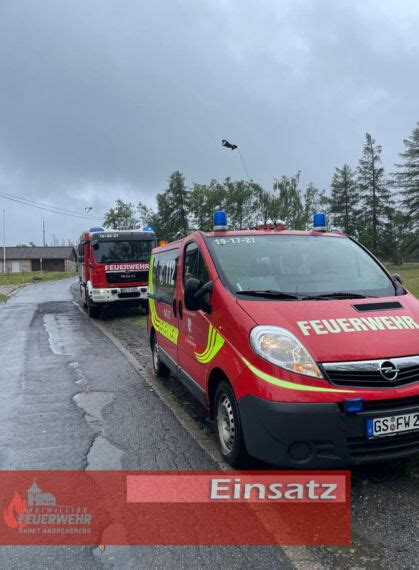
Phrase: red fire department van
(114, 267)
(302, 346)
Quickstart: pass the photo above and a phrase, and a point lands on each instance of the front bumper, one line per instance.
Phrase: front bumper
(322, 435)
(113, 294)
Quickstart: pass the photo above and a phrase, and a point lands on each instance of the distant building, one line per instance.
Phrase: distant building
(22, 259)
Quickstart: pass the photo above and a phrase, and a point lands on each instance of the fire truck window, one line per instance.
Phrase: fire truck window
(193, 264)
(164, 275)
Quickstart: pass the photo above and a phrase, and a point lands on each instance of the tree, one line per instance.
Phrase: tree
(239, 202)
(407, 177)
(374, 194)
(290, 207)
(314, 201)
(204, 200)
(122, 216)
(344, 201)
(172, 208)
(148, 217)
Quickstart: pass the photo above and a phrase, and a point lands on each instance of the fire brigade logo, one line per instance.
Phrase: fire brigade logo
(389, 370)
(40, 513)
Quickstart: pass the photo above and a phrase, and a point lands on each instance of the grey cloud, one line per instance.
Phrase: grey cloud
(113, 96)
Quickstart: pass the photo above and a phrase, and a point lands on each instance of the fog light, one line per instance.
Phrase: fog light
(300, 450)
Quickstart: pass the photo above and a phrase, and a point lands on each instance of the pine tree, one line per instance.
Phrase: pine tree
(172, 208)
(344, 201)
(407, 177)
(374, 194)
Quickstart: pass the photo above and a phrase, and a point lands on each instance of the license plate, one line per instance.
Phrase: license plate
(390, 425)
(129, 290)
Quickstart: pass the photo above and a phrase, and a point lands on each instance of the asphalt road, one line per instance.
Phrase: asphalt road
(71, 400)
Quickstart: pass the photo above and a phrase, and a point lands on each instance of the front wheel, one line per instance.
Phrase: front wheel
(228, 427)
(92, 310)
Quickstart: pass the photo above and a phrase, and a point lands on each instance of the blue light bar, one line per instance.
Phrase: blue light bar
(96, 229)
(220, 221)
(148, 229)
(353, 405)
(319, 222)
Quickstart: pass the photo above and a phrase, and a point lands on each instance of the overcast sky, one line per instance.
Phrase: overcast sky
(101, 99)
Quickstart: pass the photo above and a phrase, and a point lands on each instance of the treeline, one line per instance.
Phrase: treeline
(380, 209)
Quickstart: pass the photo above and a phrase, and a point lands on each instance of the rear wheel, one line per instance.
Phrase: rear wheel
(228, 427)
(159, 368)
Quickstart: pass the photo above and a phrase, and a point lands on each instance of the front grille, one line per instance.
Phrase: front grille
(128, 295)
(362, 448)
(396, 405)
(134, 276)
(366, 373)
(373, 379)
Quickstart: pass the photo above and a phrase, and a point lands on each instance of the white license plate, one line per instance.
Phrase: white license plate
(389, 425)
(129, 290)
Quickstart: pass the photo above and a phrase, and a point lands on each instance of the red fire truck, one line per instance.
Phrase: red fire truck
(301, 344)
(113, 266)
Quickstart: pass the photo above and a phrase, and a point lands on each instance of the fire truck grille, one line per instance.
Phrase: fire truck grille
(121, 277)
(367, 374)
(362, 448)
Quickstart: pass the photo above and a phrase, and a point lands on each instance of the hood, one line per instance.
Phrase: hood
(349, 329)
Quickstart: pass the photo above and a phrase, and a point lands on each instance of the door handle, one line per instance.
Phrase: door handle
(174, 307)
(180, 310)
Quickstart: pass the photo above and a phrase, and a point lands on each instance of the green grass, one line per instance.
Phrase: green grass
(22, 278)
(3, 298)
(409, 272)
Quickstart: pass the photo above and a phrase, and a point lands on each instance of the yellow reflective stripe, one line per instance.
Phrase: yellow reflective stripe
(219, 341)
(214, 345)
(210, 343)
(162, 327)
(290, 385)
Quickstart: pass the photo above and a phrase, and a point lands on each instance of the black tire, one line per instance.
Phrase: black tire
(159, 368)
(228, 427)
(92, 310)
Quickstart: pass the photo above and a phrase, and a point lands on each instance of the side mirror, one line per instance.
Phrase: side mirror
(194, 295)
(397, 277)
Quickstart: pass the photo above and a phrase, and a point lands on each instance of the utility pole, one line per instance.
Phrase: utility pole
(4, 241)
(43, 232)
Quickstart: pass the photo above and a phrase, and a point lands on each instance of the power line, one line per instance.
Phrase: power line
(47, 208)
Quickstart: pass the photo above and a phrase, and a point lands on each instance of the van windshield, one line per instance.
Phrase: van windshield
(298, 265)
(122, 251)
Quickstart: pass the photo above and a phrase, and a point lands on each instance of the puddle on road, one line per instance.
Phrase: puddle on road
(63, 334)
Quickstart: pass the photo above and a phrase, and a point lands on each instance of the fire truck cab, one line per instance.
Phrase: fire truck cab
(301, 344)
(113, 267)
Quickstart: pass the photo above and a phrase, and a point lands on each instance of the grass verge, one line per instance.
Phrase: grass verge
(409, 272)
(28, 277)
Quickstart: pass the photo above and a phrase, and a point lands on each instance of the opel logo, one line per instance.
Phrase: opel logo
(388, 370)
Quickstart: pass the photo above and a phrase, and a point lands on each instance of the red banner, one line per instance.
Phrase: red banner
(175, 508)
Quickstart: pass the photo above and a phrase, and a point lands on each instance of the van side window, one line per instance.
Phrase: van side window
(194, 265)
(164, 275)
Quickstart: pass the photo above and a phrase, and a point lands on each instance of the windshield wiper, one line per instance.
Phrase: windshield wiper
(270, 293)
(337, 295)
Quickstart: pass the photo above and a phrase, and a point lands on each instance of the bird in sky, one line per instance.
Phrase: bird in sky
(88, 208)
(227, 144)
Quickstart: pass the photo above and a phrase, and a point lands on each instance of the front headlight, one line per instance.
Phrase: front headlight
(280, 347)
